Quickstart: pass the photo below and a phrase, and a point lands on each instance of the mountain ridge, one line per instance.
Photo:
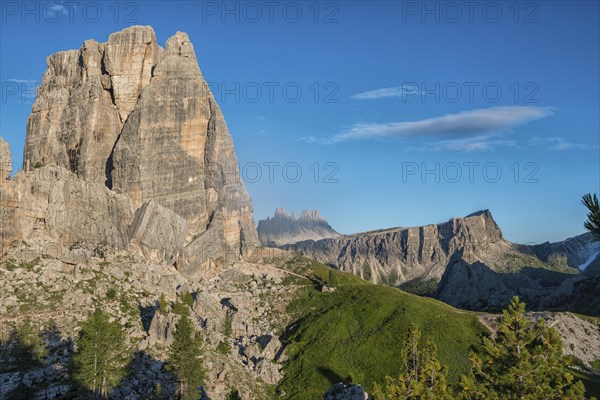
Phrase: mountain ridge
(425, 260)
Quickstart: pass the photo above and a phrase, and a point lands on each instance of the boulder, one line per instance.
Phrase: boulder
(211, 315)
(162, 328)
(341, 391)
(158, 232)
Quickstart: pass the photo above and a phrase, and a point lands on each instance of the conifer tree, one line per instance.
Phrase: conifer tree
(158, 392)
(102, 354)
(163, 306)
(185, 358)
(332, 279)
(422, 377)
(26, 350)
(187, 298)
(233, 394)
(524, 361)
(592, 223)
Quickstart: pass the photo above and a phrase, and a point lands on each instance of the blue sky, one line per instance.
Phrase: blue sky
(395, 113)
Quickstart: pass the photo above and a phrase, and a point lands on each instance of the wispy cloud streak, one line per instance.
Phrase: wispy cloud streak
(396, 91)
(559, 144)
(478, 123)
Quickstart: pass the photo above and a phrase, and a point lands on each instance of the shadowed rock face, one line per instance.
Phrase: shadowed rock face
(284, 228)
(142, 121)
(477, 287)
(574, 252)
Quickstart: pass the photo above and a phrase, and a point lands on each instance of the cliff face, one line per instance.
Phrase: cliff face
(141, 120)
(284, 228)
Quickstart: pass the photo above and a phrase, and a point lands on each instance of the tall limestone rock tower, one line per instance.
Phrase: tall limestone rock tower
(141, 120)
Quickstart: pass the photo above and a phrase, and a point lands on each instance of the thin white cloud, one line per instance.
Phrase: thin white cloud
(396, 91)
(559, 144)
(56, 8)
(482, 143)
(465, 124)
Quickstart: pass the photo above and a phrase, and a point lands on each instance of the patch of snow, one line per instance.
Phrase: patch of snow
(583, 266)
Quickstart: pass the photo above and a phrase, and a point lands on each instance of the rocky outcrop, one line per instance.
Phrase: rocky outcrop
(341, 391)
(162, 328)
(141, 295)
(85, 98)
(170, 122)
(74, 122)
(55, 205)
(284, 228)
(142, 121)
(158, 232)
(580, 337)
(5, 160)
(129, 57)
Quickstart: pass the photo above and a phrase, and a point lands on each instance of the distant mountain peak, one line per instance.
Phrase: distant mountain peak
(284, 228)
(280, 213)
(311, 215)
(485, 212)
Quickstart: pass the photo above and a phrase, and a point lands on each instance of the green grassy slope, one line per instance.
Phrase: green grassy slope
(358, 331)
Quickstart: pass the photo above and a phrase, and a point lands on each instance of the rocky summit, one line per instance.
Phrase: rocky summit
(133, 126)
(284, 228)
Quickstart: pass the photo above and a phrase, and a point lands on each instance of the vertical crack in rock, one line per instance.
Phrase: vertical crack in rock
(5, 160)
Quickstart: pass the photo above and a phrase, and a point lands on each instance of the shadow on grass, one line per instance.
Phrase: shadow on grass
(330, 375)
